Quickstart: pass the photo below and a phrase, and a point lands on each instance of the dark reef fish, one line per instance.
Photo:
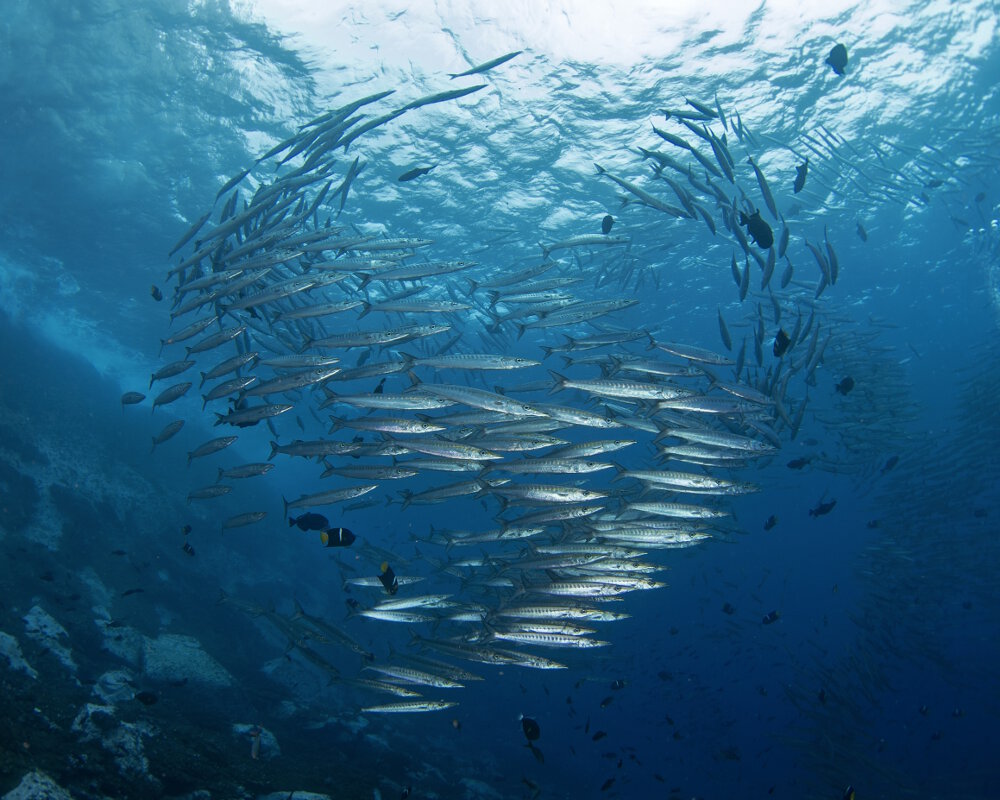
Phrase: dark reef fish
(759, 230)
(822, 508)
(845, 385)
(606, 224)
(131, 398)
(409, 175)
(309, 522)
(838, 58)
(781, 343)
(800, 176)
(338, 537)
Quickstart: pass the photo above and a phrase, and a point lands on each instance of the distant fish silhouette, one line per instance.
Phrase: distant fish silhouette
(800, 176)
(838, 58)
(606, 224)
(759, 230)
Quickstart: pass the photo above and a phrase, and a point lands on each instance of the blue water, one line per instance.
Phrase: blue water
(123, 121)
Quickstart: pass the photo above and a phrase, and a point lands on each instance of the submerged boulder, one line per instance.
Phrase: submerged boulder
(174, 658)
(37, 786)
(43, 628)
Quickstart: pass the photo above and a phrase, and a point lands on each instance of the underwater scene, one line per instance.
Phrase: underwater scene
(484, 401)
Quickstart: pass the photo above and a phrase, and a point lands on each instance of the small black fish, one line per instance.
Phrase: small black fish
(619, 684)
(862, 232)
(187, 548)
(119, 552)
(759, 230)
(309, 522)
(337, 537)
(845, 385)
(381, 386)
(892, 461)
(598, 736)
(608, 784)
(127, 592)
(406, 793)
(387, 576)
(781, 343)
(838, 58)
(770, 616)
(980, 197)
(606, 224)
(728, 608)
(146, 698)
(414, 173)
(155, 292)
(530, 728)
(822, 508)
(771, 522)
(821, 696)
(872, 524)
(536, 753)
(186, 529)
(800, 176)
(798, 463)
(607, 701)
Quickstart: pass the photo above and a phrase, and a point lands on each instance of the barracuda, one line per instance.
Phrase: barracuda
(328, 498)
(416, 706)
(416, 676)
(727, 441)
(548, 639)
(677, 510)
(554, 611)
(475, 361)
(480, 398)
(553, 466)
(622, 389)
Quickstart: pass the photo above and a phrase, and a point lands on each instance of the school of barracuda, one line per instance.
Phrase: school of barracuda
(292, 310)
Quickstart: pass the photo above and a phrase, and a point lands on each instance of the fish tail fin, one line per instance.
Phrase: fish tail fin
(291, 521)
(558, 381)
(600, 169)
(548, 350)
(407, 497)
(365, 308)
(219, 478)
(204, 377)
(521, 329)
(153, 448)
(545, 251)
(285, 504)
